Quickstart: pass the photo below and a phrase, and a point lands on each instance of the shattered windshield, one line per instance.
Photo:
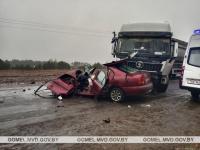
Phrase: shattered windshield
(153, 46)
(126, 68)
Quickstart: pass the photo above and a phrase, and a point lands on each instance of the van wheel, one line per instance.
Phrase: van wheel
(195, 95)
(116, 95)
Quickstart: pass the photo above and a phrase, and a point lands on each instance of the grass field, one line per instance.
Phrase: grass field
(28, 76)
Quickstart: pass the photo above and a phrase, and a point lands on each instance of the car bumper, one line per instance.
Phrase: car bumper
(138, 90)
(189, 88)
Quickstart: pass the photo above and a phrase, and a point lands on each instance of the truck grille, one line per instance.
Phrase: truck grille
(146, 66)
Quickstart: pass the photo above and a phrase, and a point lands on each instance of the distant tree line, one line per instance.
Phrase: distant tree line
(39, 65)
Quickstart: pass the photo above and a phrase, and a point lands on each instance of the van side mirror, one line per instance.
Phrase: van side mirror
(175, 49)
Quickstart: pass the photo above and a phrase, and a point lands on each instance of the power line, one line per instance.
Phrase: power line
(57, 31)
(44, 25)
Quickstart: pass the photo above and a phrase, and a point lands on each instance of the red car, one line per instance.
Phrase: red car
(117, 81)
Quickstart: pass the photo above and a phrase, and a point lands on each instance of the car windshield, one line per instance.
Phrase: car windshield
(155, 46)
(126, 68)
(194, 57)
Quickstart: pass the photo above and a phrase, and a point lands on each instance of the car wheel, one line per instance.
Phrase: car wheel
(195, 95)
(116, 95)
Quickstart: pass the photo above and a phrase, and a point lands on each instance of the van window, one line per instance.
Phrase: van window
(194, 57)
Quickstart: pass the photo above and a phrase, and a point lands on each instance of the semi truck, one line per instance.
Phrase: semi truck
(148, 47)
(177, 67)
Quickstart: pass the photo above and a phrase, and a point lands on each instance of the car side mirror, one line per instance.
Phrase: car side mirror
(114, 44)
(114, 39)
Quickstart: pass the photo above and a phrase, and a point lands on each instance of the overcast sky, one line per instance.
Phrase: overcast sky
(81, 30)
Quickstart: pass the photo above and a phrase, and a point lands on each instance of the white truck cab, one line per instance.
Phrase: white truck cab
(190, 78)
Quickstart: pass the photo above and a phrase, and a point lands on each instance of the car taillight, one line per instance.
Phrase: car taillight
(141, 80)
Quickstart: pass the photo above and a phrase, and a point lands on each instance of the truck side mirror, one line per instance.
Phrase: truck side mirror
(114, 39)
(114, 44)
(175, 49)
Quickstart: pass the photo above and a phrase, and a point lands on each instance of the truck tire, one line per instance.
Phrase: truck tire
(162, 88)
(116, 95)
(195, 95)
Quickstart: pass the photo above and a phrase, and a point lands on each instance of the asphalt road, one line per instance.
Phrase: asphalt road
(168, 114)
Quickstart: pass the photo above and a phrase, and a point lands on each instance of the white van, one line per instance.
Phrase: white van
(190, 78)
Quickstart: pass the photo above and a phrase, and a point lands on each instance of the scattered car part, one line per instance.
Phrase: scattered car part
(107, 120)
(129, 106)
(60, 98)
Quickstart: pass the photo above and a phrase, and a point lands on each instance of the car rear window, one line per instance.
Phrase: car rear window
(194, 57)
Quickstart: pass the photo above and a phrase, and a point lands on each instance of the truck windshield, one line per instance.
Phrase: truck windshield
(194, 57)
(153, 46)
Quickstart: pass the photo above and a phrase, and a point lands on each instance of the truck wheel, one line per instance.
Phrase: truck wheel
(162, 88)
(195, 95)
(116, 95)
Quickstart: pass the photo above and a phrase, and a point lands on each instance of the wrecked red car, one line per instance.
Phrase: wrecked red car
(117, 80)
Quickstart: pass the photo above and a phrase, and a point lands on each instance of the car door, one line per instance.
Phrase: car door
(60, 87)
(98, 82)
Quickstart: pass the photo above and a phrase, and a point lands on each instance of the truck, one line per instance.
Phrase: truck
(148, 47)
(177, 67)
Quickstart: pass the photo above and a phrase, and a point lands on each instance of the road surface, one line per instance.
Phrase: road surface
(168, 114)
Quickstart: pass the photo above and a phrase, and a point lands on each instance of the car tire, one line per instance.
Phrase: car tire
(195, 95)
(116, 95)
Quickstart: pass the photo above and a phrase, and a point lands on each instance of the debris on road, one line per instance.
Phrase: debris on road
(60, 98)
(32, 82)
(60, 103)
(107, 120)
(24, 90)
(146, 105)
(129, 106)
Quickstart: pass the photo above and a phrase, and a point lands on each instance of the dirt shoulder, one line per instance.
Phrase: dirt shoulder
(28, 76)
